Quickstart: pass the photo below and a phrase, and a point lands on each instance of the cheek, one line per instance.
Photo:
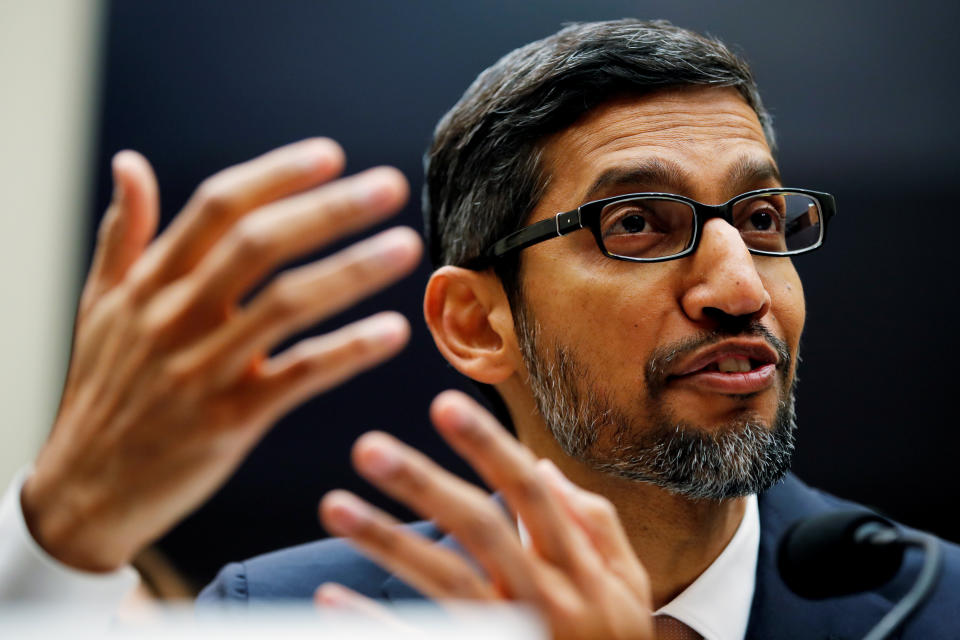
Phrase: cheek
(787, 303)
(610, 322)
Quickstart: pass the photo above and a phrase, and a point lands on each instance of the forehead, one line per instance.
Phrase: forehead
(692, 140)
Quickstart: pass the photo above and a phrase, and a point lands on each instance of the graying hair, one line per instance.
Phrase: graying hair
(483, 171)
(742, 457)
(484, 174)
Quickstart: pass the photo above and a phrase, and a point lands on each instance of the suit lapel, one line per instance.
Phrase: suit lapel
(776, 612)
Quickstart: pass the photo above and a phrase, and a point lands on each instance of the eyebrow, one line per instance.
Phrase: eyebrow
(654, 171)
(746, 173)
(749, 171)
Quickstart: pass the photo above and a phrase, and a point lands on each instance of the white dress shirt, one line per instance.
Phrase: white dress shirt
(717, 604)
(30, 574)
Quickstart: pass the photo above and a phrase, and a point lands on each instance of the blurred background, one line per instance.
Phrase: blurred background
(864, 98)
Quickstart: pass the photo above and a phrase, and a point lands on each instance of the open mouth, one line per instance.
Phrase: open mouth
(732, 367)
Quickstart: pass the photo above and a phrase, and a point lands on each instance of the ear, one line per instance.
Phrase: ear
(471, 322)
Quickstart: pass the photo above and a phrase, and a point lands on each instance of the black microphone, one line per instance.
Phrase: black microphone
(846, 552)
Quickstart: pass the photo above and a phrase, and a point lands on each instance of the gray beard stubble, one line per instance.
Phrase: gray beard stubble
(743, 457)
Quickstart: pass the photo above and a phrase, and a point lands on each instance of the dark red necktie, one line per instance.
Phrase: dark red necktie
(668, 628)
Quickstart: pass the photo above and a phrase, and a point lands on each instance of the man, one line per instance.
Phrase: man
(649, 355)
(644, 340)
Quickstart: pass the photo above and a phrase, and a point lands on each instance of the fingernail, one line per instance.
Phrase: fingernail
(394, 249)
(389, 329)
(377, 193)
(381, 459)
(314, 156)
(348, 514)
(331, 594)
(460, 423)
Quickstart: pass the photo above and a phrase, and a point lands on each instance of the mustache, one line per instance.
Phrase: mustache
(663, 356)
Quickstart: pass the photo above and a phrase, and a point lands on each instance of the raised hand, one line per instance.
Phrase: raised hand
(579, 570)
(170, 383)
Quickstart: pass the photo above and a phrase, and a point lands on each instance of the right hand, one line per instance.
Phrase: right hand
(170, 383)
(579, 570)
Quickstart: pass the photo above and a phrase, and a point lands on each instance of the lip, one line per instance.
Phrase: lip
(762, 375)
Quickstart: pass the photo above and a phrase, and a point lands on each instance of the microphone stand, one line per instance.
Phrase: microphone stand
(881, 535)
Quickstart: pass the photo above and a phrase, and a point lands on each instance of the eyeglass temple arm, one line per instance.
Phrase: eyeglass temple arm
(561, 224)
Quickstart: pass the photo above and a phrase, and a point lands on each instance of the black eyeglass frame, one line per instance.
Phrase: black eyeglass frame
(587, 216)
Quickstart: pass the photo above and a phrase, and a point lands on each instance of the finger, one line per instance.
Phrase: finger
(301, 297)
(317, 364)
(336, 596)
(508, 466)
(284, 230)
(455, 505)
(225, 197)
(598, 518)
(435, 571)
(127, 227)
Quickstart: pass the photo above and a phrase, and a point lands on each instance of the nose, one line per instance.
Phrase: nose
(723, 282)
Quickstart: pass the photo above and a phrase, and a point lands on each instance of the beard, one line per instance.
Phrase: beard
(740, 457)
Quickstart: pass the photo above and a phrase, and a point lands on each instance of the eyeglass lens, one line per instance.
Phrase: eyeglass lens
(660, 227)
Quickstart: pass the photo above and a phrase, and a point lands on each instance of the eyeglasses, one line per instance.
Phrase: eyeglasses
(654, 227)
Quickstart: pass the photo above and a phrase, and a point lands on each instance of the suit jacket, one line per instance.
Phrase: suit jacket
(775, 613)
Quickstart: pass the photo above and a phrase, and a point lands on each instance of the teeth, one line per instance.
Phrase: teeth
(733, 365)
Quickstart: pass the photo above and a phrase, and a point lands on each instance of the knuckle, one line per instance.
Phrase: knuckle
(282, 297)
(413, 481)
(566, 613)
(182, 380)
(338, 213)
(152, 327)
(386, 538)
(356, 349)
(215, 198)
(249, 241)
(483, 526)
(458, 582)
(357, 269)
(305, 363)
(526, 486)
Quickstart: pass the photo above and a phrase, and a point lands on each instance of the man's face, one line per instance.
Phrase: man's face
(648, 362)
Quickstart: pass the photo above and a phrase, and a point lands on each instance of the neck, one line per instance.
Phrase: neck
(676, 538)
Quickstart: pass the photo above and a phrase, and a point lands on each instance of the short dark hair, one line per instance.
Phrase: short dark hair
(483, 171)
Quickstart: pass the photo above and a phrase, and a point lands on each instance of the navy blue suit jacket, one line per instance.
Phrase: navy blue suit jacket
(776, 612)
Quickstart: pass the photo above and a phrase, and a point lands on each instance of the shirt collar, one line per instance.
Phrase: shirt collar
(717, 604)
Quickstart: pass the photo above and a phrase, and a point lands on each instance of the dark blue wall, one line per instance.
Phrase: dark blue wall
(864, 95)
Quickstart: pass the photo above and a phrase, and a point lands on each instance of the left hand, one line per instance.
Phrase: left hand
(580, 572)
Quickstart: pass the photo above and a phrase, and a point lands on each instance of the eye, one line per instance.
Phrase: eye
(761, 220)
(633, 223)
(628, 218)
(646, 227)
(762, 216)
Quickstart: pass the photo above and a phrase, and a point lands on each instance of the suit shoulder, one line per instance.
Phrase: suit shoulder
(294, 573)
(792, 500)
